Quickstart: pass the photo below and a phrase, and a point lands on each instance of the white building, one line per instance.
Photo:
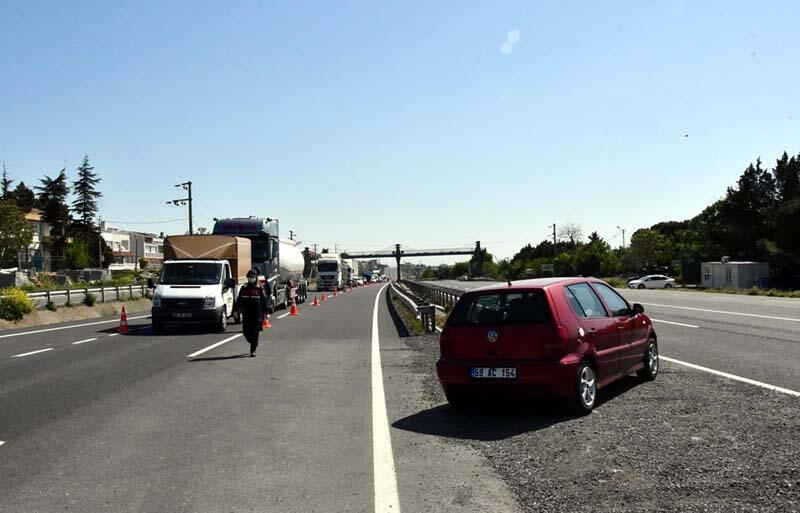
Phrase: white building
(734, 275)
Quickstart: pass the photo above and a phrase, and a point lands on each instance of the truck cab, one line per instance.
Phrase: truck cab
(329, 273)
(199, 292)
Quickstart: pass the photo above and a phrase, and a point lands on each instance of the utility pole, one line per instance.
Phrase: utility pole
(100, 241)
(397, 257)
(555, 242)
(623, 237)
(187, 186)
(291, 235)
(315, 248)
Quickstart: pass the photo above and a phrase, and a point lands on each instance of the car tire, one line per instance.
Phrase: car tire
(651, 362)
(640, 286)
(667, 285)
(584, 395)
(457, 399)
(222, 323)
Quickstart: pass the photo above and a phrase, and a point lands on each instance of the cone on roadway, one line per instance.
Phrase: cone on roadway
(324, 297)
(293, 311)
(335, 293)
(123, 321)
(315, 303)
(265, 324)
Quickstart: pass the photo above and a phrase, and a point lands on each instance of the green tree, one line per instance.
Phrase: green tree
(23, 197)
(15, 234)
(84, 206)
(76, 254)
(787, 178)
(427, 274)
(5, 183)
(649, 247)
(53, 194)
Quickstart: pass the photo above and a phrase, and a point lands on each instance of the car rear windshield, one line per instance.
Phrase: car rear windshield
(191, 273)
(499, 308)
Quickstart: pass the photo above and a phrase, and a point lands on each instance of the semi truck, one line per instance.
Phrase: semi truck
(200, 280)
(329, 272)
(279, 262)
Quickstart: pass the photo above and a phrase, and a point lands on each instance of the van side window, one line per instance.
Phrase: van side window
(227, 274)
(587, 299)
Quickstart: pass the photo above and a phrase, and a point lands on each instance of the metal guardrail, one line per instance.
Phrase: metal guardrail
(103, 294)
(443, 297)
(422, 310)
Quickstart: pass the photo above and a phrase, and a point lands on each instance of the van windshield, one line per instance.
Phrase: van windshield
(191, 273)
(529, 307)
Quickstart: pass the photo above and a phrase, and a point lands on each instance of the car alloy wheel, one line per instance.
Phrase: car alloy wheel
(651, 362)
(641, 286)
(588, 387)
(668, 286)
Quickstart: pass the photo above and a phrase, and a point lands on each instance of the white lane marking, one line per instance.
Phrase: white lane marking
(84, 341)
(1, 442)
(284, 315)
(68, 327)
(733, 377)
(113, 334)
(32, 352)
(440, 329)
(385, 480)
(725, 312)
(675, 323)
(212, 346)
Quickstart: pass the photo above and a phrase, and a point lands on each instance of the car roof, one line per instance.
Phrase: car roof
(535, 283)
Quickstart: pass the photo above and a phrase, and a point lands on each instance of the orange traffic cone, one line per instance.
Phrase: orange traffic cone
(324, 297)
(335, 293)
(123, 321)
(315, 303)
(266, 325)
(293, 311)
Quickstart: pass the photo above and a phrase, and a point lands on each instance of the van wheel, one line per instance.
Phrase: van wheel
(222, 323)
(651, 362)
(585, 391)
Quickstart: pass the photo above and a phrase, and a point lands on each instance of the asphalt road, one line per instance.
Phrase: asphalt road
(753, 337)
(95, 421)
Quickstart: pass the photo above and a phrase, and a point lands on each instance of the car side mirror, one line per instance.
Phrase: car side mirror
(150, 284)
(638, 308)
(231, 283)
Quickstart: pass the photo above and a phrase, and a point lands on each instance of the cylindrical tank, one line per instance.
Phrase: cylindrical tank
(292, 261)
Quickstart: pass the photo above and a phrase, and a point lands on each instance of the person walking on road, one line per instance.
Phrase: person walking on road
(252, 305)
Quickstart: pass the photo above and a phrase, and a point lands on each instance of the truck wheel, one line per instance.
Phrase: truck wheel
(222, 322)
(158, 327)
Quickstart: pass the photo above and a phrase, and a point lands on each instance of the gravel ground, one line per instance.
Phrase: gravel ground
(688, 441)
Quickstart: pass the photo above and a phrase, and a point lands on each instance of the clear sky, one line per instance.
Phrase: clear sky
(432, 124)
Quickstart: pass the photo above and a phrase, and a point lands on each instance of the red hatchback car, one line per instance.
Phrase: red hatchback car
(567, 337)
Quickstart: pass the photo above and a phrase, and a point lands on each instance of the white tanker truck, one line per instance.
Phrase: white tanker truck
(279, 261)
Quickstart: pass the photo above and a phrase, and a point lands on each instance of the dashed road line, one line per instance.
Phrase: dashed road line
(69, 327)
(212, 346)
(284, 315)
(385, 479)
(1, 442)
(84, 341)
(675, 323)
(759, 316)
(32, 352)
(733, 377)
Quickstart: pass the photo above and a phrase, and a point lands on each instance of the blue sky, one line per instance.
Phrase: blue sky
(365, 124)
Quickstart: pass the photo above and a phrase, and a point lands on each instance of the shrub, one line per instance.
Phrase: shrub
(51, 306)
(142, 263)
(89, 299)
(14, 304)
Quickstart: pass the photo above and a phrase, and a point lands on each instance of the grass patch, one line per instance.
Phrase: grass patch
(413, 324)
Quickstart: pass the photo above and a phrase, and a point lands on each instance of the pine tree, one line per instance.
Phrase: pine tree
(85, 204)
(787, 178)
(53, 198)
(5, 183)
(23, 197)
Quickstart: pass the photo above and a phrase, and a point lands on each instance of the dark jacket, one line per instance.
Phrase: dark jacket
(251, 304)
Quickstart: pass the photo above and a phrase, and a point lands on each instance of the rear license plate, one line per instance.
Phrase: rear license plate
(181, 315)
(493, 372)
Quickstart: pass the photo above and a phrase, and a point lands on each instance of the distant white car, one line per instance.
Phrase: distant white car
(652, 281)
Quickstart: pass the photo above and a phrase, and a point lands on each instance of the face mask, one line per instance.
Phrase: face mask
(251, 280)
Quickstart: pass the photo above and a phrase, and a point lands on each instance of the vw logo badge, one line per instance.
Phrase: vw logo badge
(491, 336)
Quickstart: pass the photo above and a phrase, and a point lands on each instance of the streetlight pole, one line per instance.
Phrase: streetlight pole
(623, 237)
(187, 186)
